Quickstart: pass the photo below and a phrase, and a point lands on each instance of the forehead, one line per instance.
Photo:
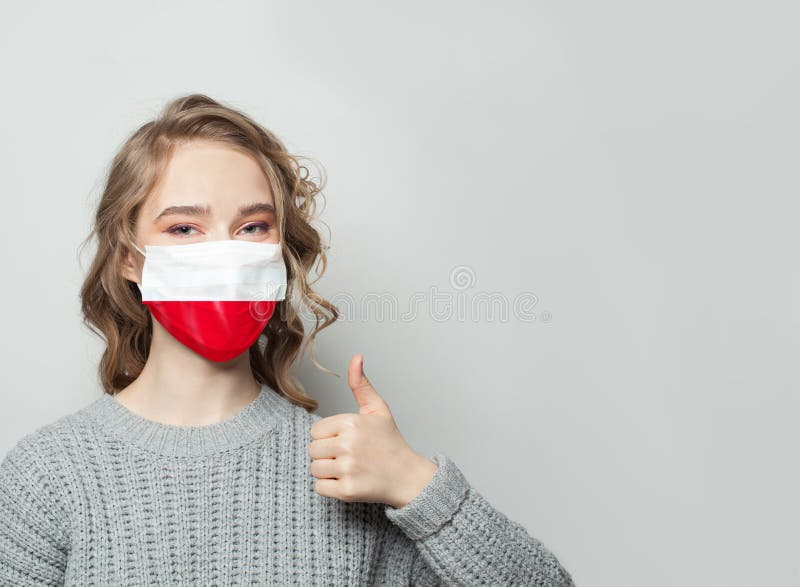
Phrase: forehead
(211, 173)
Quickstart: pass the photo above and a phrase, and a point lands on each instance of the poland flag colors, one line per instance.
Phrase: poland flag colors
(215, 297)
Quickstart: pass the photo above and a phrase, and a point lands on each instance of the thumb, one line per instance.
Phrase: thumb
(368, 400)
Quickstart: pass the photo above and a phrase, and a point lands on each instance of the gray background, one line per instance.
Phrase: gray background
(632, 165)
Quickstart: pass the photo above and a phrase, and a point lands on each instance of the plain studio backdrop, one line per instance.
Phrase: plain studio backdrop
(564, 236)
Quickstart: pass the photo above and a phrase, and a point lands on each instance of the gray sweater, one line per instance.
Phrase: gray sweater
(103, 496)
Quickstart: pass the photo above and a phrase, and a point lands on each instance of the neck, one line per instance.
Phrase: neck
(179, 387)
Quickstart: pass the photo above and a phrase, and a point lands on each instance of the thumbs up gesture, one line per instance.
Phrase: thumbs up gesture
(363, 456)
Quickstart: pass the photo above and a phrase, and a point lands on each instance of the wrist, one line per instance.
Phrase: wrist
(419, 474)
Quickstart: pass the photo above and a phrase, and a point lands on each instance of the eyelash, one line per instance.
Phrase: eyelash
(176, 229)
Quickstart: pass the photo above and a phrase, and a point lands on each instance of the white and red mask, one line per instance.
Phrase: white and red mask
(215, 297)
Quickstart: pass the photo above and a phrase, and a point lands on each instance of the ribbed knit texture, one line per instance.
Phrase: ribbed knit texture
(103, 496)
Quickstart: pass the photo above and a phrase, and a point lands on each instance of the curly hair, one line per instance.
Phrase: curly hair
(111, 304)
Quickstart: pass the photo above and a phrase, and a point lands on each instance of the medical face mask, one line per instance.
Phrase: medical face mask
(215, 297)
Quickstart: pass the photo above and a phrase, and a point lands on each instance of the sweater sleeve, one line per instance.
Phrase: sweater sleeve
(462, 540)
(33, 541)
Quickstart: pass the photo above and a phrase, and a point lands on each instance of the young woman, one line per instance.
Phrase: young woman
(202, 462)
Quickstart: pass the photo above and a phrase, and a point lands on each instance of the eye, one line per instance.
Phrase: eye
(180, 229)
(255, 227)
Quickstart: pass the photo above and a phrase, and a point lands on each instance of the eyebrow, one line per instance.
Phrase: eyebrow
(197, 210)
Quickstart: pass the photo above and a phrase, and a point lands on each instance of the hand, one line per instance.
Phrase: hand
(363, 456)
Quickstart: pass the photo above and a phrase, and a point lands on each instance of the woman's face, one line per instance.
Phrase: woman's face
(209, 191)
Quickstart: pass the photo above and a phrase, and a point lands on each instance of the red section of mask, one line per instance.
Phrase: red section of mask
(217, 330)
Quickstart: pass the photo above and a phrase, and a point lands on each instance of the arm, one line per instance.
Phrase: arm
(33, 542)
(462, 540)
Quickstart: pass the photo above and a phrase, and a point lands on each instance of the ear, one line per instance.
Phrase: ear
(131, 266)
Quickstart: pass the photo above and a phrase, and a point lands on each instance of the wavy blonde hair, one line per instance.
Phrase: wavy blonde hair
(112, 306)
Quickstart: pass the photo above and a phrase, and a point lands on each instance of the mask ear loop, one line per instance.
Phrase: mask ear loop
(139, 285)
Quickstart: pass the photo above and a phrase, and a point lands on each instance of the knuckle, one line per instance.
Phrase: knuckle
(347, 491)
(346, 465)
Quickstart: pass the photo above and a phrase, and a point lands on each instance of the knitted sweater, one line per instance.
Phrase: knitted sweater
(105, 496)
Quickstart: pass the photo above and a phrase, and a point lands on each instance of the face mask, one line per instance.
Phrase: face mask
(215, 297)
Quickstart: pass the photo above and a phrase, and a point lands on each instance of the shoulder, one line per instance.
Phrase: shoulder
(47, 453)
(34, 472)
(42, 441)
(299, 422)
(295, 414)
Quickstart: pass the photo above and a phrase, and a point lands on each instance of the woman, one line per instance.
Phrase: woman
(202, 462)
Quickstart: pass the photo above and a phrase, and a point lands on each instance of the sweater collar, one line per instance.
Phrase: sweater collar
(264, 413)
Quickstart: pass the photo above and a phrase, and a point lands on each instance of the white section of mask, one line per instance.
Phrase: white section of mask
(219, 270)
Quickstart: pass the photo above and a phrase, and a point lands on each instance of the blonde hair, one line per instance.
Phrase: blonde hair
(111, 304)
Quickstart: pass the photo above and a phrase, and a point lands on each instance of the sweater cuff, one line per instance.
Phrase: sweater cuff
(435, 504)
